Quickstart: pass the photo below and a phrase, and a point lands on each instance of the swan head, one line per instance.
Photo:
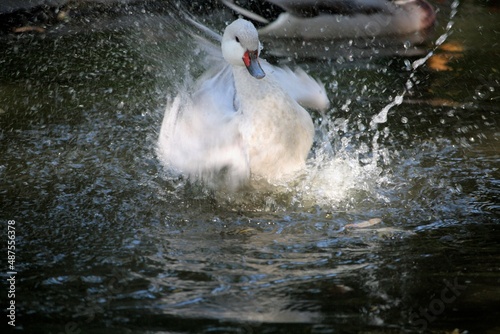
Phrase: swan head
(241, 47)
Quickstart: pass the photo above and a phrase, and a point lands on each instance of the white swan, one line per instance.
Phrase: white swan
(242, 120)
(330, 19)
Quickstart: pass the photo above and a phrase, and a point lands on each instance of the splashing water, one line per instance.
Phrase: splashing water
(339, 169)
(165, 254)
(381, 117)
(332, 176)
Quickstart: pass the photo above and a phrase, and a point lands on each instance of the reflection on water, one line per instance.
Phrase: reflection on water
(107, 241)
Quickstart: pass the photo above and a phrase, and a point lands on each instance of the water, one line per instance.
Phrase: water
(107, 241)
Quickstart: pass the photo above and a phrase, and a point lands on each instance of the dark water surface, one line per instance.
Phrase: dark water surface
(108, 242)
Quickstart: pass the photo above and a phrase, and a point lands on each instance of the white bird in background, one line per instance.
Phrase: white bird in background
(331, 19)
(242, 120)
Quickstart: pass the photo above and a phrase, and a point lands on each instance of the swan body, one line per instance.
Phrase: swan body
(242, 120)
(330, 19)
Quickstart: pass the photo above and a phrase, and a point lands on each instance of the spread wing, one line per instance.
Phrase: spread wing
(200, 136)
(300, 86)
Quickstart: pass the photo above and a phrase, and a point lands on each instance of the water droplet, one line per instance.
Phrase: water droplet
(407, 64)
(398, 99)
(442, 38)
(481, 94)
(334, 86)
